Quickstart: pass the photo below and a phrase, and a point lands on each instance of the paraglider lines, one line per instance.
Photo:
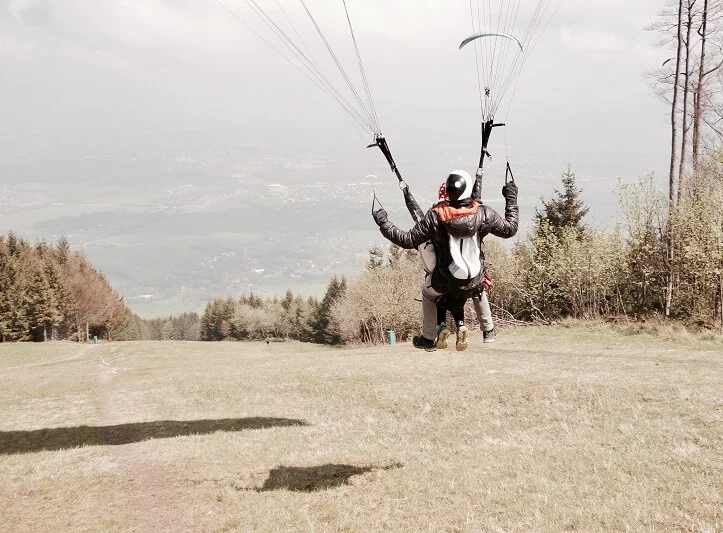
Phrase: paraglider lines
(340, 67)
(477, 53)
(306, 65)
(362, 72)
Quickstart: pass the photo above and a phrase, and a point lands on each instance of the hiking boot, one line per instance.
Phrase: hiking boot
(490, 335)
(462, 334)
(424, 343)
(443, 334)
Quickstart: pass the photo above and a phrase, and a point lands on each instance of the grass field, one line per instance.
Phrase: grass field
(548, 429)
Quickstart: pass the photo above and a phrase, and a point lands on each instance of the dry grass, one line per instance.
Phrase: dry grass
(548, 429)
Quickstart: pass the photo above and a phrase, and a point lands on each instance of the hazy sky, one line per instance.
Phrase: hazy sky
(93, 77)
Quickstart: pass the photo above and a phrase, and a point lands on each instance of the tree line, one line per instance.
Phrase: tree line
(49, 292)
(252, 317)
(183, 327)
(561, 268)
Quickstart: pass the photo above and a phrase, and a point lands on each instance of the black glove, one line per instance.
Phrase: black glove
(380, 217)
(509, 191)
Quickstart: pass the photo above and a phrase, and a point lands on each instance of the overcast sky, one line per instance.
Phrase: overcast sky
(92, 77)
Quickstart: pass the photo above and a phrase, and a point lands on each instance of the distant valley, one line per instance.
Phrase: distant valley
(174, 231)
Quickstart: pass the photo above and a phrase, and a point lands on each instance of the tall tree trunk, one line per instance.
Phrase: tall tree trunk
(698, 111)
(673, 154)
(686, 93)
(674, 108)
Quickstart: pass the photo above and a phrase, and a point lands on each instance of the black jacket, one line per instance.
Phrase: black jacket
(446, 226)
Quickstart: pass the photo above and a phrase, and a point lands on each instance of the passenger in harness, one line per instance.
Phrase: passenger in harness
(456, 229)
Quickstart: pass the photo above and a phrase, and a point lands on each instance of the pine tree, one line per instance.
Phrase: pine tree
(62, 251)
(216, 324)
(288, 300)
(167, 330)
(5, 287)
(14, 321)
(559, 221)
(42, 307)
(376, 257)
(132, 328)
(566, 210)
(323, 332)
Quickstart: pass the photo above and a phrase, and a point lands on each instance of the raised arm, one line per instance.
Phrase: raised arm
(422, 231)
(505, 227)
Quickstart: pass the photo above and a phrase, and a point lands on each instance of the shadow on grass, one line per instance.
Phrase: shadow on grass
(62, 438)
(315, 478)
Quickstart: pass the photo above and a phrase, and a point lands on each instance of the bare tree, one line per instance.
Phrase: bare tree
(674, 105)
(687, 47)
(706, 90)
(673, 153)
(693, 91)
(702, 32)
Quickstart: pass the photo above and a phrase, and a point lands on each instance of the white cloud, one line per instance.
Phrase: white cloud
(590, 41)
(124, 24)
(16, 7)
(11, 47)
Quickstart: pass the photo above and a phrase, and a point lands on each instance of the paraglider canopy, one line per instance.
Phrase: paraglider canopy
(502, 44)
(481, 35)
(504, 33)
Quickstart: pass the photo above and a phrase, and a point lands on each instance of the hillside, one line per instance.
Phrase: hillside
(548, 429)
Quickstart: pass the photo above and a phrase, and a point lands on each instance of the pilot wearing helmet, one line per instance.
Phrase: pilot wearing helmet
(456, 227)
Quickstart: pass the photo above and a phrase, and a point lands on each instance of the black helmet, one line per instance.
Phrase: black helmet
(459, 186)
